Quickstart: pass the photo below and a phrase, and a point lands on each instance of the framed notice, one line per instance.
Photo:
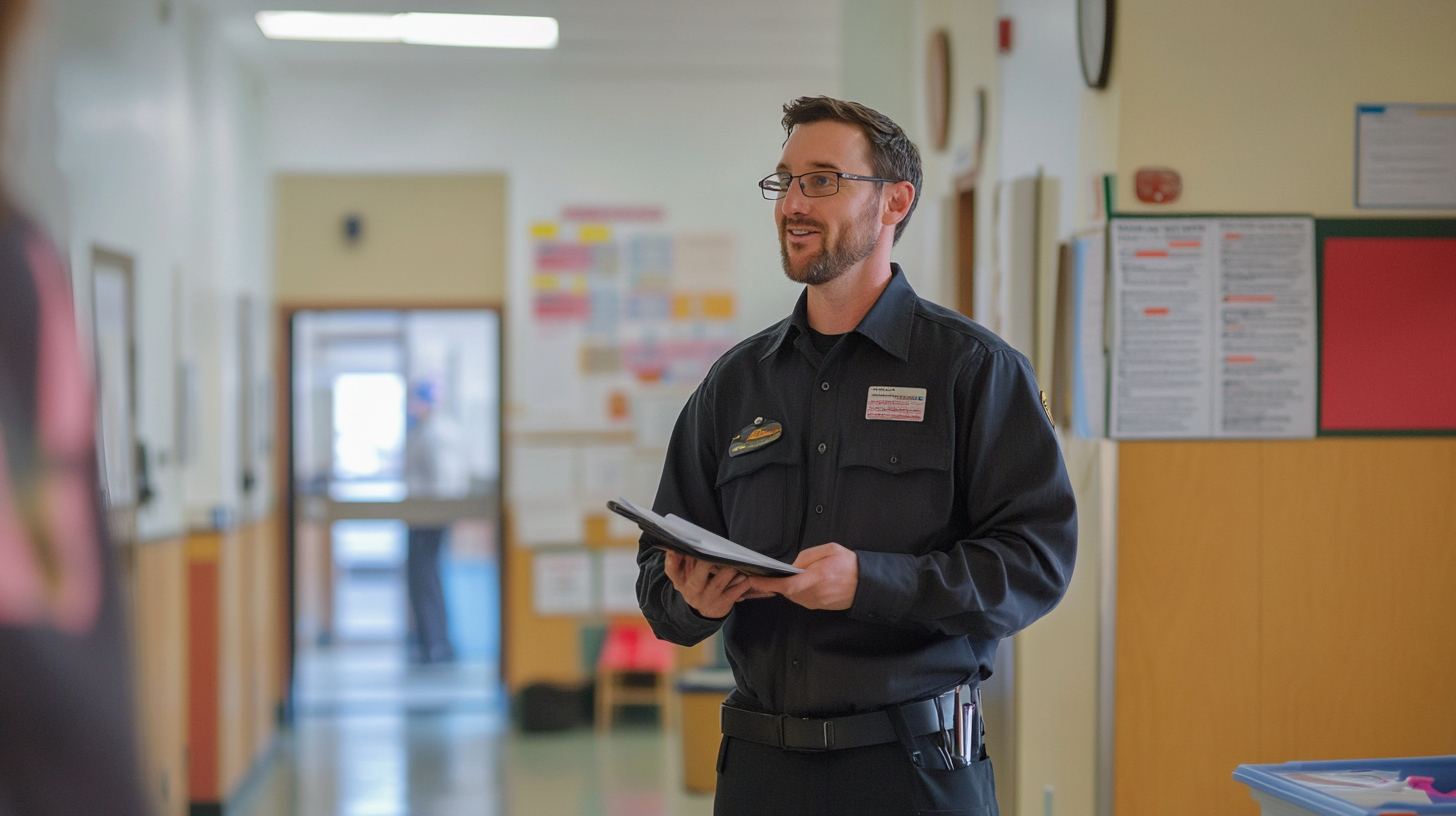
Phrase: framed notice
(1213, 328)
(1405, 156)
(1387, 326)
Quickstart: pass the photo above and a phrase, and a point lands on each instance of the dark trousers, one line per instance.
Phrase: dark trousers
(878, 780)
(427, 594)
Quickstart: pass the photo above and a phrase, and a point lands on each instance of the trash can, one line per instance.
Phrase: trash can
(1358, 787)
(702, 692)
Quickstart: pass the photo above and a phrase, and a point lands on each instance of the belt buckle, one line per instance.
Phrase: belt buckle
(825, 733)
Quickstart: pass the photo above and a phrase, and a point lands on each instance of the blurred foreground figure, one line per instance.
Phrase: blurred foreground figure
(66, 740)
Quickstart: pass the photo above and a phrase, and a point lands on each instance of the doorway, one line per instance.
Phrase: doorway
(395, 488)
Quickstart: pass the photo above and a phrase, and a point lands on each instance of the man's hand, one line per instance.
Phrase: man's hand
(710, 589)
(829, 579)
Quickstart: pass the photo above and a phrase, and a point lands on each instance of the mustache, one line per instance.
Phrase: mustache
(786, 224)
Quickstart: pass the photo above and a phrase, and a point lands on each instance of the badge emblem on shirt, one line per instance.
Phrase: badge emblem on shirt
(1047, 406)
(762, 433)
(893, 402)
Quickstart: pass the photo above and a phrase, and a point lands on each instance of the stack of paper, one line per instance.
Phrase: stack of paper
(681, 535)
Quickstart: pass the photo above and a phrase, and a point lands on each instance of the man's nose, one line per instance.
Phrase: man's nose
(794, 200)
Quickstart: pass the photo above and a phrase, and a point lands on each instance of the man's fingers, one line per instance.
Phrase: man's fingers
(819, 553)
(722, 580)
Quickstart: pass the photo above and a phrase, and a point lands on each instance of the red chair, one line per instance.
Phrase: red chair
(635, 668)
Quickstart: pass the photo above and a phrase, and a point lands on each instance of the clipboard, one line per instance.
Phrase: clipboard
(682, 536)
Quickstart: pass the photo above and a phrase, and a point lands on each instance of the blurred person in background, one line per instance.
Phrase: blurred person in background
(426, 444)
(67, 744)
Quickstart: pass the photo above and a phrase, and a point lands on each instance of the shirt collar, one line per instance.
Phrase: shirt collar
(887, 323)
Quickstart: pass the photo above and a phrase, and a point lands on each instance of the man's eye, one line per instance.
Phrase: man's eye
(821, 181)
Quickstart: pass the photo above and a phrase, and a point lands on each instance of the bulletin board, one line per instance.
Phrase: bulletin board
(1387, 326)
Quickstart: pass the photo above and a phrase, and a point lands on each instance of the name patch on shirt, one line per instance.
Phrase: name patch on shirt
(893, 402)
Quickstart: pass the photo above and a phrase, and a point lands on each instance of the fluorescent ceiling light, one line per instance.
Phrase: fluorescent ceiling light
(415, 28)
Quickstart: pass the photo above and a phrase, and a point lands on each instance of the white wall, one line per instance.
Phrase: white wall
(135, 130)
(695, 145)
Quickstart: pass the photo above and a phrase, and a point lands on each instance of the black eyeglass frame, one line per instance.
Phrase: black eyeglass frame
(768, 193)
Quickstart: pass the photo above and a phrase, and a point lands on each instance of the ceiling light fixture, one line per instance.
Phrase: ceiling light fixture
(414, 28)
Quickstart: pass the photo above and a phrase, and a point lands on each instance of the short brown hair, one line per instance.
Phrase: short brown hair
(892, 154)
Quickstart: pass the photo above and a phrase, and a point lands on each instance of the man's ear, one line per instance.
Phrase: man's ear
(898, 198)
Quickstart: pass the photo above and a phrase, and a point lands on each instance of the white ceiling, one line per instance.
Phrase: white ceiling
(758, 37)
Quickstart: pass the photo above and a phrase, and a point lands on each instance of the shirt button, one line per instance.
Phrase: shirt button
(894, 459)
(823, 447)
(796, 663)
(819, 508)
(824, 386)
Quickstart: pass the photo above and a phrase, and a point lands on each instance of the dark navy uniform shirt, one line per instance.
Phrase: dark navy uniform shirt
(963, 522)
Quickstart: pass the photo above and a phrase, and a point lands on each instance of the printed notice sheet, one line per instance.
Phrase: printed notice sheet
(1405, 156)
(1214, 328)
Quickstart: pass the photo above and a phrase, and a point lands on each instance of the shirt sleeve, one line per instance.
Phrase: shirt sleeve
(1015, 559)
(686, 490)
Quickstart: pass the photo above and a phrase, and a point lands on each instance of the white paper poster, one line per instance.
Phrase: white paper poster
(1214, 328)
(619, 580)
(1265, 320)
(562, 583)
(1162, 351)
(1405, 156)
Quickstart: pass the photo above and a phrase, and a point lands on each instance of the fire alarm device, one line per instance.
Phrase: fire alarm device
(1003, 35)
(1158, 185)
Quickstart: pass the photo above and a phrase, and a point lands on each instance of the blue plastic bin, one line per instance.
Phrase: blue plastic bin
(1284, 797)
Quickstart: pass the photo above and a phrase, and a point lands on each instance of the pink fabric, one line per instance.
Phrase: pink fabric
(50, 570)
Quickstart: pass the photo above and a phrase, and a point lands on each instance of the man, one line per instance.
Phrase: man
(422, 449)
(902, 460)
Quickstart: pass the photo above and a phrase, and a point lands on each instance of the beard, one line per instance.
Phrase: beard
(834, 258)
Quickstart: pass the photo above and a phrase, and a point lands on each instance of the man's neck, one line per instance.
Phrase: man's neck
(838, 306)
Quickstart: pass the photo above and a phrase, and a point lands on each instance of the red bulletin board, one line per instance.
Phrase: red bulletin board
(1388, 328)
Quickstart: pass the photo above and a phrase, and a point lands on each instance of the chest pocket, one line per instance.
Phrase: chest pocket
(895, 493)
(754, 492)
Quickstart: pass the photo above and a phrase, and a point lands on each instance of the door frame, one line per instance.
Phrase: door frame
(284, 465)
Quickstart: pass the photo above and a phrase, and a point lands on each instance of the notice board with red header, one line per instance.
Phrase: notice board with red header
(1387, 326)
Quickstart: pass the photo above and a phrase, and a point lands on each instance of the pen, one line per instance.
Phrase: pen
(958, 724)
(976, 714)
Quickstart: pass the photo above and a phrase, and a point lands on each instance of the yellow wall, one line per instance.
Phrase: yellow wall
(1263, 585)
(1253, 101)
(426, 239)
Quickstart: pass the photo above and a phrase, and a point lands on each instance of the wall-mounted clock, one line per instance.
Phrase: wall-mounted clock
(937, 87)
(1094, 40)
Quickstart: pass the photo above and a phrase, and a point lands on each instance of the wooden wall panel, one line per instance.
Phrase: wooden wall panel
(1279, 601)
(203, 666)
(160, 640)
(1187, 619)
(536, 648)
(233, 686)
(1359, 558)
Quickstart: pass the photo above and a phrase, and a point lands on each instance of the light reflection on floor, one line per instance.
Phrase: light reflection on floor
(379, 737)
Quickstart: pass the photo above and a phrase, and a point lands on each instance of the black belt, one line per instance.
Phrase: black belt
(835, 733)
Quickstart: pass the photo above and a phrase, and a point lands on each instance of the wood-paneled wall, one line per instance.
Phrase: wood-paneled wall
(159, 654)
(234, 613)
(1279, 601)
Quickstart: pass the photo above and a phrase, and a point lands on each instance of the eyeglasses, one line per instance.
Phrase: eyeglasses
(817, 184)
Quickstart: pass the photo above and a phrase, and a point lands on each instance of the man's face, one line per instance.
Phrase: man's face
(821, 238)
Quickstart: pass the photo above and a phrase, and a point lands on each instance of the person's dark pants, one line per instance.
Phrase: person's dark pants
(427, 594)
(878, 780)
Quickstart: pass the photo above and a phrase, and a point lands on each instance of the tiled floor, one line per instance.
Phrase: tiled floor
(377, 737)
(458, 763)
